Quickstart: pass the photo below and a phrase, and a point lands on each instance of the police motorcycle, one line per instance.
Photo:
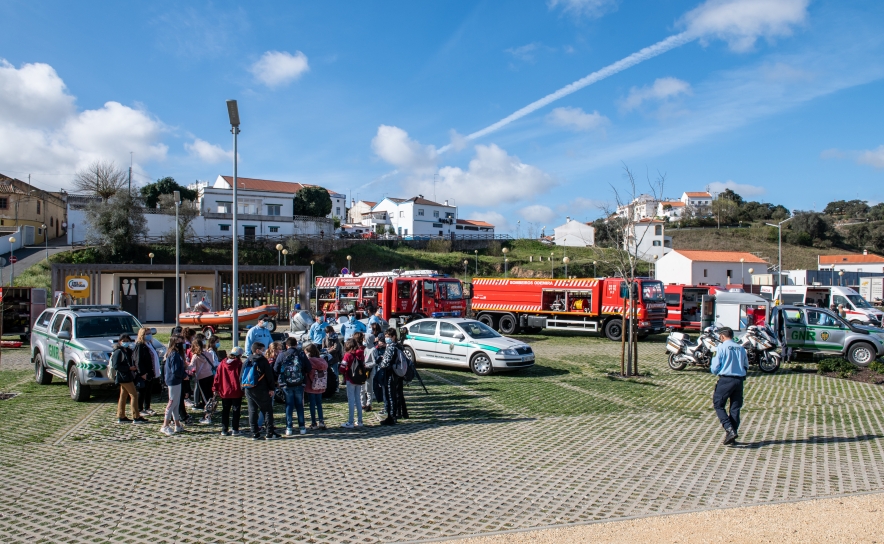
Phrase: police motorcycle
(683, 351)
(761, 346)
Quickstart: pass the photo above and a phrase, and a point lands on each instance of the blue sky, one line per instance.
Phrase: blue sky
(780, 100)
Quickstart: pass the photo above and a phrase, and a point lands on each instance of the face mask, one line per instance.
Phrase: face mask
(217, 345)
(127, 345)
(352, 319)
(259, 352)
(148, 337)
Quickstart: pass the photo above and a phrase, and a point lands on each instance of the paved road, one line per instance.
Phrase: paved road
(466, 463)
(31, 255)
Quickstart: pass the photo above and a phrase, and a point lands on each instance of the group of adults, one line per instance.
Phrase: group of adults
(197, 374)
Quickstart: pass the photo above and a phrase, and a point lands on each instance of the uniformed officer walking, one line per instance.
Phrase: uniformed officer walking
(730, 365)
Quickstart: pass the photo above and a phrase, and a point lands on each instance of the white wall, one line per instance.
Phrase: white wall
(854, 267)
(646, 243)
(6, 247)
(574, 234)
(676, 268)
(673, 268)
(406, 219)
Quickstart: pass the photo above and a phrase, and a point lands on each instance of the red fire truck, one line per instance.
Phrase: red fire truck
(410, 295)
(594, 305)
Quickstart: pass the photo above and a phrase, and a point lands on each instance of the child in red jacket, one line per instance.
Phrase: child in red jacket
(228, 386)
(317, 380)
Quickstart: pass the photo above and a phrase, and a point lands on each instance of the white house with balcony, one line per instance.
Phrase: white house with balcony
(339, 201)
(647, 240)
(418, 216)
(642, 207)
(671, 209)
(699, 204)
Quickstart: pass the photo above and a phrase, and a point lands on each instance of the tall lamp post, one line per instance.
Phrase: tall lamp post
(779, 227)
(505, 260)
(465, 263)
(593, 269)
(233, 114)
(312, 285)
(350, 270)
(12, 259)
(476, 251)
(840, 275)
(151, 257)
(278, 254)
(566, 260)
(742, 279)
(552, 265)
(751, 270)
(177, 197)
(46, 241)
(285, 280)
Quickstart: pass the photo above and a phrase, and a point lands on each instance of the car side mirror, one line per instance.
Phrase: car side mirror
(153, 330)
(64, 335)
(459, 336)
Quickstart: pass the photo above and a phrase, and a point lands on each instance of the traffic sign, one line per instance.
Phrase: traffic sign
(13, 259)
(345, 271)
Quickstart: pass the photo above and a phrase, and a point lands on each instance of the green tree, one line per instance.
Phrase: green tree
(728, 194)
(113, 226)
(164, 186)
(811, 227)
(313, 202)
(847, 208)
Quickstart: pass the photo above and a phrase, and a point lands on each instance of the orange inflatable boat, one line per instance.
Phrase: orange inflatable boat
(224, 320)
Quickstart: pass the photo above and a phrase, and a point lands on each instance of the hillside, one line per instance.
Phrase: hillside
(759, 240)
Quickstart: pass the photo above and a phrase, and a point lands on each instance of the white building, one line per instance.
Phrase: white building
(642, 207)
(418, 216)
(339, 201)
(647, 240)
(698, 203)
(574, 234)
(689, 267)
(357, 209)
(851, 263)
(673, 209)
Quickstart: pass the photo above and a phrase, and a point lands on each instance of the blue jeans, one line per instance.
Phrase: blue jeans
(354, 402)
(315, 404)
(294, 399)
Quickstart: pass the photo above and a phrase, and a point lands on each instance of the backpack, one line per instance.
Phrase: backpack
(292, 373)
(249, 377)
(320, 380)
(358, 372)
(400, 365)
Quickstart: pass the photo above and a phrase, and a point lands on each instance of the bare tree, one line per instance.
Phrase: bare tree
(188, 211)
(101, 178)
(625, 262)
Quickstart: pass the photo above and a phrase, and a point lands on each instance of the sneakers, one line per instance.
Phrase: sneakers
(149, 412)
(359, 426)
(225, 433)
(289, 431)
(303, 430)
(314, 427)
(139, 421)
(206, 421)
(236, 433)
(388, 421)
(322, 426)
(366, 408)
(256, 436)
(347, 425)
(124, 420)
(730, 437)
(179, 428)
(168, 431)
(272, 436)
(145, 413)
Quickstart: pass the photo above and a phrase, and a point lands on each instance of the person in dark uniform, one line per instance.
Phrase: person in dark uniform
(730, 364)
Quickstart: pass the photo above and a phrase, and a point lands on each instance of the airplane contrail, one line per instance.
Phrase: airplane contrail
(639, 56)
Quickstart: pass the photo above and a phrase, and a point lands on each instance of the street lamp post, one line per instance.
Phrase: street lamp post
(46, 241)
(779, 227)
(177, 196)
(566, 260)
(285, 280)
(151, 257)
(12, 259)
(742, 279)
(840, 275)
(312, 285)
(552, 265)
(476, 251)
(278, 254)
(593, 269)
(505, 260)
(233, 114)
(465, 263)
(348, 265)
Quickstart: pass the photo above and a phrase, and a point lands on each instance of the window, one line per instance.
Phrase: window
(4, 203)
(420, 211)
(437, 225)
(821, 319)
(658, 230)
(338, 210)
(44, 319)
(430, 289)
(448, 330)
(273, 229)
(38, 207)
(225, 227)
(657, 243)
(57, 323)
(705, 273)
(67, 326)
(406, 232)
(424, 327)
(449, 215)
(435, 213)
(96, 327)
(729, 274)
(401, 214)
(39, 231)
(249, 206)
(673, 299)
(274, 209)
(51, 221)
(224, 207)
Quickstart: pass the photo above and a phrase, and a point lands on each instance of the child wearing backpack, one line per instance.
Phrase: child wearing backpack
(354, 372)
(292, 369)
(227, 385)
(317, 381)
(259, 382)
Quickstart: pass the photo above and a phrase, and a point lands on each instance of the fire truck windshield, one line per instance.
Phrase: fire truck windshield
(451, 290)
(652, 291)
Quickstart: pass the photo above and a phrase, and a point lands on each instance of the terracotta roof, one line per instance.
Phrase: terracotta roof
(850, 259)
(417, 200)
(367, 203)
(252, 184)
(474, 222)
(648, 220)
(674, 204)
(701, 194)
(719, 256)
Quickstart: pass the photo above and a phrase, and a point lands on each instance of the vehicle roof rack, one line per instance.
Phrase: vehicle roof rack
(95, 307)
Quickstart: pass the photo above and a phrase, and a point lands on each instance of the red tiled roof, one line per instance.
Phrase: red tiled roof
(675, 204)
(719, 256)
(369, 204)
(850, 259)
(702, 194)
(254, 184)
(474, 222)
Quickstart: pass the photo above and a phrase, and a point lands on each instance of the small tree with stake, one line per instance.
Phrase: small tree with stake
(625, 263)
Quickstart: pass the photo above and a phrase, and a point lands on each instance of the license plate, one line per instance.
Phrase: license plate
(527, 358)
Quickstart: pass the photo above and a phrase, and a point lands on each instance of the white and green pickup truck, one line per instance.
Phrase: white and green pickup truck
(75, 344)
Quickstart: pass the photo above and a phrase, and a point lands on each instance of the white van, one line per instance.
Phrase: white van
(857, 309)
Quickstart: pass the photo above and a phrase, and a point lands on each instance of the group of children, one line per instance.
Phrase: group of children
(198, 374)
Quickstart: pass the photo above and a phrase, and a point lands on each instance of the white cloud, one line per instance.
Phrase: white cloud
(393, 145)
(500, 222)
(741, 22)
(206, 152)
(741, 189)
(524, 52)
(42, 132)
(663, 89)
(591, 9)
(276, 68)
(492, 176)
(577, 119)
(537, 213)
(874, 157)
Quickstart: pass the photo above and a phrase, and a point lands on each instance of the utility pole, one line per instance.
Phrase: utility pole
(131, 157)
(233, 114)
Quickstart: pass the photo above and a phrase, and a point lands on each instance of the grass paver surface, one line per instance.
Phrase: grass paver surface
(561, 442)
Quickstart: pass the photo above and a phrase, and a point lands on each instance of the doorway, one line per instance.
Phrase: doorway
(153, 303)
(249, 232)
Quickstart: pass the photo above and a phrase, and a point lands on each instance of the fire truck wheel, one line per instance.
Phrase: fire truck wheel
(488, 320)
(614, 329)
(509, 324)
(480, 364)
